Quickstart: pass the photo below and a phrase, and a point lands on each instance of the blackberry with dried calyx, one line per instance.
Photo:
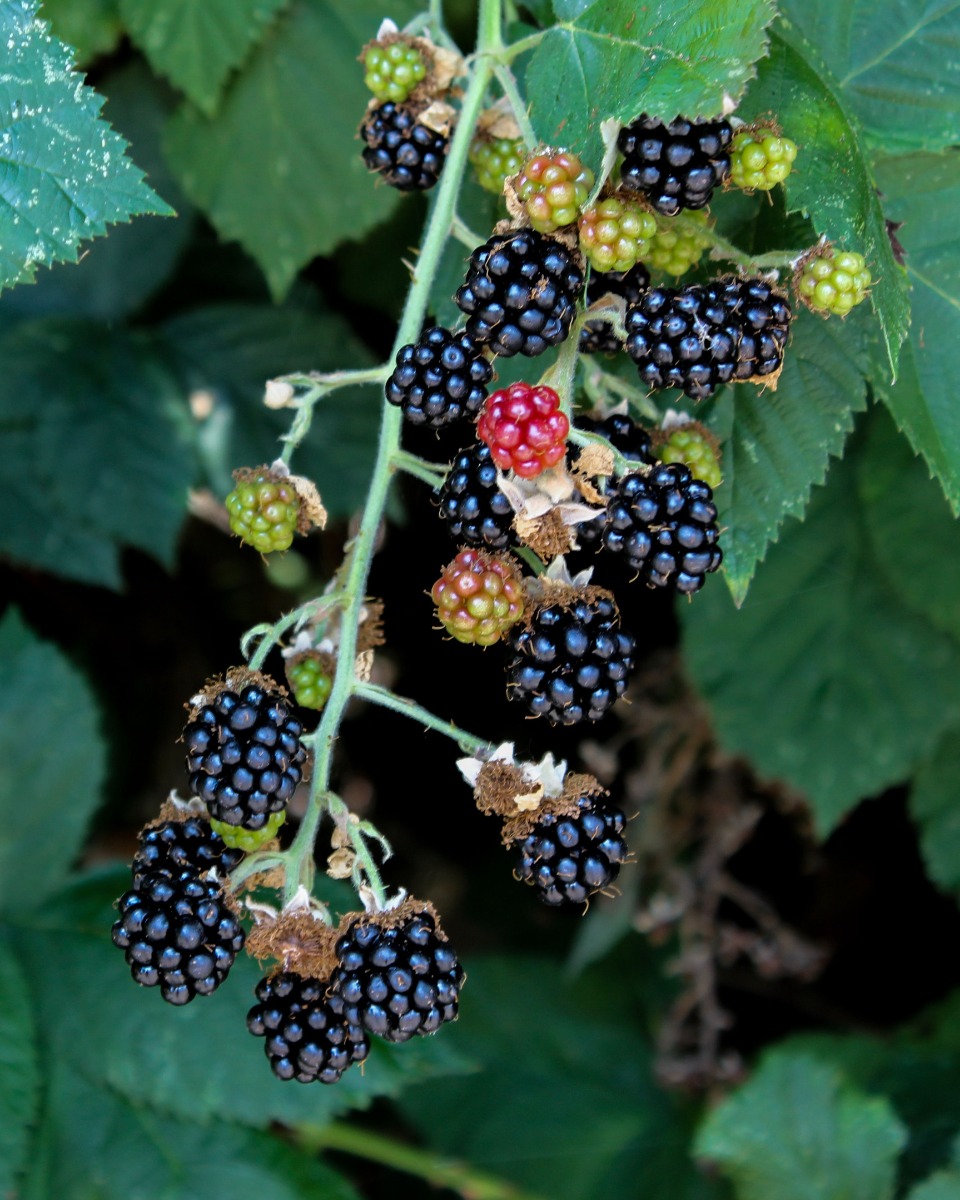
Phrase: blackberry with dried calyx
(440, 378)
(407, 154)
(599, 337)
(633, 441)
(568, 857)
(675, 165)
(472, 506)
(520, 293)
(182, 848)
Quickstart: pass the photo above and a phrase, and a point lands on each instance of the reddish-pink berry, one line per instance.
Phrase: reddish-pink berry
(524, 428)
(479, 596)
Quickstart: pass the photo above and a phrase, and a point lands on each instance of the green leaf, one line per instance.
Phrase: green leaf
(923, 191)
(796, 1131)
(46, 799)
(279, 168)
(777, 444)
(945, 1185)
(64, 174)
(196, 1062)
(895, 63)
(832, 182)
(19, 1068)
(615, 59)
(566, 1107)
(197, 43)
(95, 453)
(230, 351)
(935, 805)
(824, 677)
(91, 27)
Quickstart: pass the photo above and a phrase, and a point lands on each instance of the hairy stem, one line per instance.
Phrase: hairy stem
(409, 708)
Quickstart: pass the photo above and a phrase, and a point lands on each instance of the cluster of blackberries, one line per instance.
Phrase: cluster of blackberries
(176, 928)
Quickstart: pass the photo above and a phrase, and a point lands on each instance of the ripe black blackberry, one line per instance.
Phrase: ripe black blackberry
(473, 508)
(571, 660)
(179, 934)
(633, 441)
(665, 527)
(441, 378)
(181, 849)
(599, 337)
(569, 858)
(762, 316)
(244, 755)
(408, 155)
(520, 293)
(400, 981)
(308, 1035)
(675, 166)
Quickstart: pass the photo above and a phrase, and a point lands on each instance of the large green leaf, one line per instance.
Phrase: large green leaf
(945, 1185)
(91, 27)
(230, 351)
(64, 173)
(566, 1107)
(797, 1131)
(278, 169)
(923, 191)
(777, 444)
(19, 1069)
(46, 798)
(197, 43)
(614, 58)
(895, 63)
(832, 182)
(94, 450)
(824, 676)
(935, 805)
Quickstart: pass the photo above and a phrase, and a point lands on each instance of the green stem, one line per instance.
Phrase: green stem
(463, 233)
(561, 375)
(330, 381)
(424, 1164)
(515, 49)
(510, 90)
(430, 473)
(409, 708)
(723, 248)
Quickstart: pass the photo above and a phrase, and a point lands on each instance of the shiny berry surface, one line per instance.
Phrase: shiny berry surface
(553, 187)
(570, 858)
(472, 506)
(440, 378)
(835, 282)
(263, 512)
(407, 155)
(478, 597)
(524, 428)
(676, 165)
(759, 160)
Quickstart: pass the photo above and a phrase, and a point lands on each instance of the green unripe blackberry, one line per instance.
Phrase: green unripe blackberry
(392, 72)
(310, 681)
(264, 510)
(615, 233)
(495, 160)
(697, 449)
(675, 250)
(552, 187)
(834, 282)
(759, 159)
(248, 840)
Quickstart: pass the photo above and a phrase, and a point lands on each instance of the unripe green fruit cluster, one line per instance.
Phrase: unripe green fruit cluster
(310, 681)
(760, 160)
(834, 282)
(264, 512)
(392, 72)
(495, 160)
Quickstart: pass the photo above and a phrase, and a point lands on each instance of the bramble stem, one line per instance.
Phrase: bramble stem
(409, 708)
(725, 249)
(521, 116)
(430, 473)
(330, 381)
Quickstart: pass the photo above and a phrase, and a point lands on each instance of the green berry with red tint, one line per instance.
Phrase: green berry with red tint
(677, 245)
(479, 596)
(495, 160)
(615, 233)
(553, 187)
(697, 449)
(834, 282)
(310, 682)
(524, 428)
(392, 72)
(760, 159)
(248, 840)
(264, 510)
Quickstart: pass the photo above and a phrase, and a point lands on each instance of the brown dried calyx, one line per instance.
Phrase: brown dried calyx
(296, 938)
(394, 916)
(234, 679)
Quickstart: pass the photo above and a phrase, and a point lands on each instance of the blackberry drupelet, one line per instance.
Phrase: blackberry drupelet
(181, 849)
(178, 934)
(633, 441)
(473, 508)
(665, 527)
(571, 661)
(834, 281)
(695, 447)
(398, 982)
(599, 337)
(308, 1036)
(615, 233)
(441, 378)
(244, 755)
(675, 166)
(520, 293)
(569, 858)
(408, 155)
(263, 510)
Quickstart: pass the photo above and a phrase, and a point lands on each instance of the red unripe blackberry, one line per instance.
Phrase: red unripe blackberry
(569, 858)
(552, 187)
(474, 509)
(520, 293)
(675, 166)
(478, 597)
(440, 378)
(615, 233)
(571, 660)
(182, 848)
(524, 428)
(599, 337)
(308, 1035)
(665, 527)
(178, 934)
(409, 156)
(397, 982)
(244, 755)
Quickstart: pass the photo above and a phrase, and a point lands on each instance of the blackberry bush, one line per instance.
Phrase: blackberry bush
(472, 506)
(441, 378)
(676, 166)
(478, 597)
(570, 857)
(407, 155)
